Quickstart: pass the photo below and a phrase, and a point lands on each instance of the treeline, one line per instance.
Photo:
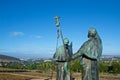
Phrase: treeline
(111, 67)
(41, 66)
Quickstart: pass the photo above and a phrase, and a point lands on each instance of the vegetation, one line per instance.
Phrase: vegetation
(41, 69)
(109, 67)
(75, 66)
(109, 70)
(41, 66)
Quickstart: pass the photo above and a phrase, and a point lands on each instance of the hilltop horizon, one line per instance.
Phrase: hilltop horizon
(32, 56)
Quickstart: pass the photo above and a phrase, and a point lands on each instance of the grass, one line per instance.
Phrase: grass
(42, 76)
(8, 76)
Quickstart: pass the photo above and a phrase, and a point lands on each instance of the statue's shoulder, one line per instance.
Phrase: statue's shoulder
(89, 49)
(86, 45)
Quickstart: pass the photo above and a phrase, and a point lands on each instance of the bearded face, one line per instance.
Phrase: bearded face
(92, 33)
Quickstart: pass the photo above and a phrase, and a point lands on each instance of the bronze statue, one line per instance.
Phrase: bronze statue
(89, 54)
(62, 53)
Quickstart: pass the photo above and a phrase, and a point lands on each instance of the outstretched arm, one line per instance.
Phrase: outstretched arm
(80, 52)
(77, 54)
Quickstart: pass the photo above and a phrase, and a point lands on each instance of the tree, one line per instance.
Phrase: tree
(75, 66)
(116, 66)
(103, 66)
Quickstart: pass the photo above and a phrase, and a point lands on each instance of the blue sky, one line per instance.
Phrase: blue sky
(27, 27)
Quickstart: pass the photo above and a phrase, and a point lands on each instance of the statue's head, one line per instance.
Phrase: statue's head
(95, 41)
(92, 33)
(66, 41)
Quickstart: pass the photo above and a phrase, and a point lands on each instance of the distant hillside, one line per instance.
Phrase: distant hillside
(4, 58)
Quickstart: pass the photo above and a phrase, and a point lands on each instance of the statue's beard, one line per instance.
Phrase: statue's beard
(91, 35)
(66, 46)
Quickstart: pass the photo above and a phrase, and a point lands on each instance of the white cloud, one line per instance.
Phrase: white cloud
(17, 33)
